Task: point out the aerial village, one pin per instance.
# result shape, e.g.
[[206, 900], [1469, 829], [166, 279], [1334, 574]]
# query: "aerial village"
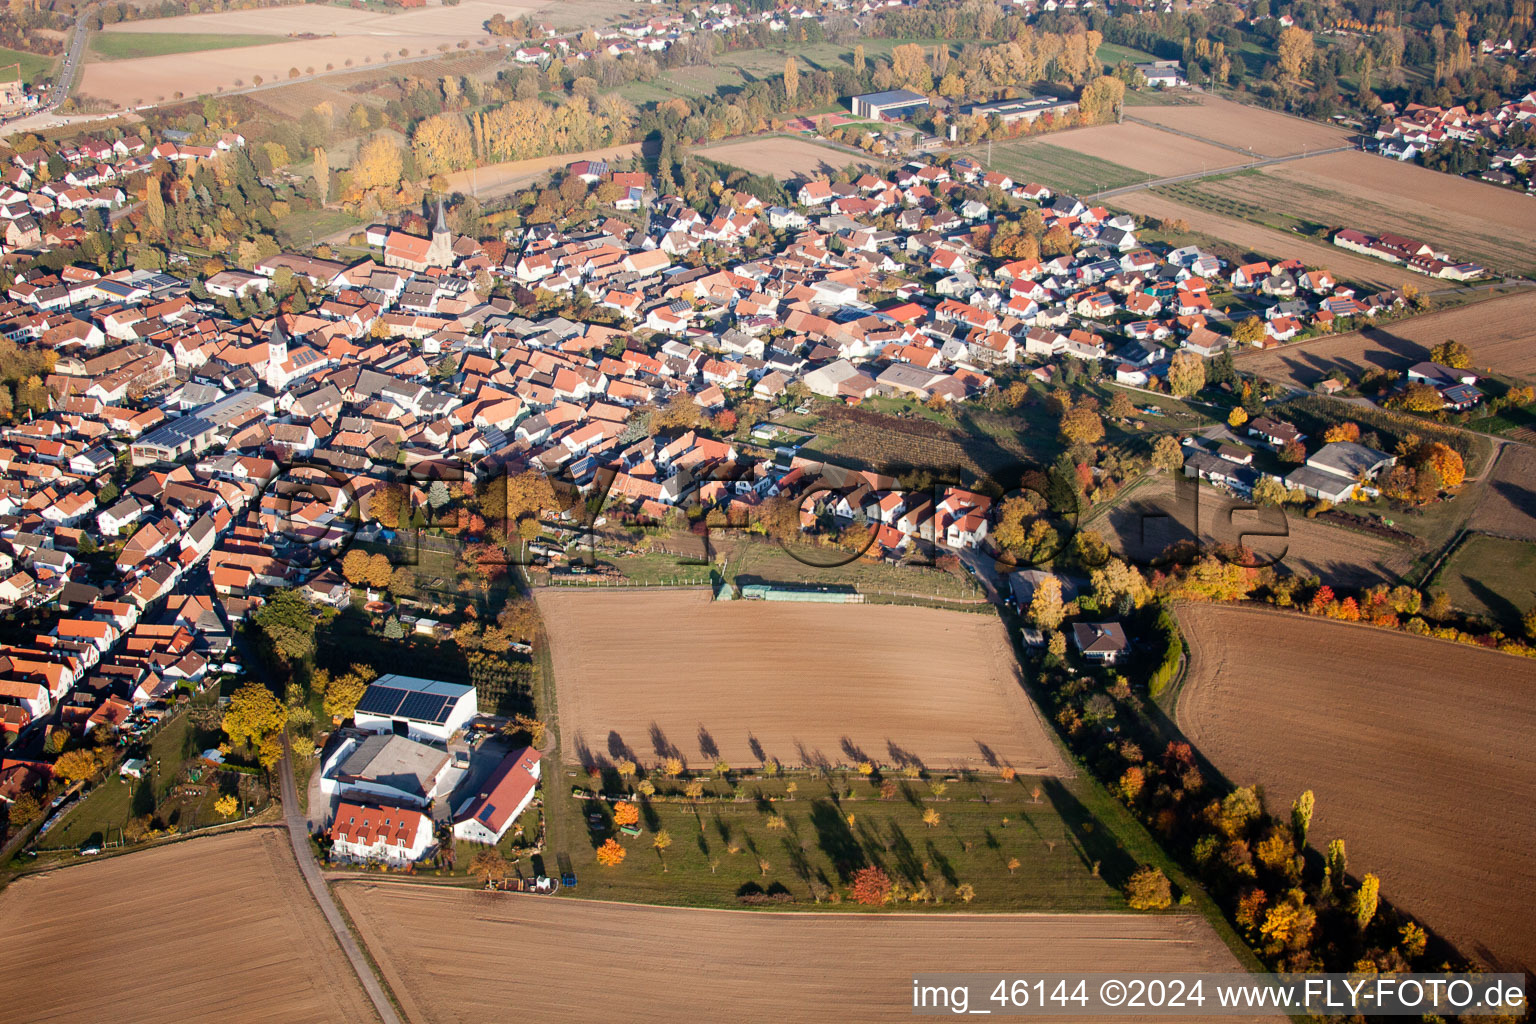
[[171, 434]]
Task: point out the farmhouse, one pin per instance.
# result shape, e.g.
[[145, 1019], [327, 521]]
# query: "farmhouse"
[[486, 816], [423, 709], [1332, 473], [892, 103], [1100, 641], [379, 832]]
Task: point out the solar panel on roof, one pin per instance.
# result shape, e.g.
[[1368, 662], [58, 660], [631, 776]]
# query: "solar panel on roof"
[[380, 700], [423, 707]]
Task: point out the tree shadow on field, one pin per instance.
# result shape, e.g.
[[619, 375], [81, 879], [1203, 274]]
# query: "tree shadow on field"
[[663, 746], [942, 862], [836, 839], [907, 860], [853, 751], [987, 754], [1093, 843], [618, 749], [1500, 608], [707, 745], [902, 758], [754, 745]]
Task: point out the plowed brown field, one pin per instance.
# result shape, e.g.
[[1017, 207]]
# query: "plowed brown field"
[[218, 928], [1237, 124], [1147, 149], [1501, 333], [785, 158], [646, 674], [1418, 751], [613, 961]]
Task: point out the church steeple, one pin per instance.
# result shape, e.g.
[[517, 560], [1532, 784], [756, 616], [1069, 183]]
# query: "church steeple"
[[441, 227]]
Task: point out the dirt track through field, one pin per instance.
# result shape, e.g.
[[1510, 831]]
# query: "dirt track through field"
[[609, 961], [216, 928], [1501, 332], [1418, 752], [642, 673]]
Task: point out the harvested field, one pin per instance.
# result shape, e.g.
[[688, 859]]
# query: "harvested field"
[[1269, 243], [1499, 332], [1147, 149], [218, 928], [785, 158], [357, 35], [1508, 508], [598, 961], [1237, 124], [647, 674], [1155, 517], [1468, 219], [1417, 749], [503, 178]]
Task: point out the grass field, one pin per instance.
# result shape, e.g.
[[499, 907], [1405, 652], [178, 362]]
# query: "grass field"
[[1060, 167], [128, 45], [1492, 577], [808, 834], [33, 65], [1110, 54], [648, 675], [688, 82], [598, 961], [216, 928], [1417, 750], [115, 800]]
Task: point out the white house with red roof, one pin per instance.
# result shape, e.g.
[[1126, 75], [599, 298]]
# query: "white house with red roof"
[[380, 833], [505, 794]]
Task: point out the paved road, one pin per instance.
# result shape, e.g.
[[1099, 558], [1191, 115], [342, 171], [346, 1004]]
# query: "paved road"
[[1213, 171], [299, 835]]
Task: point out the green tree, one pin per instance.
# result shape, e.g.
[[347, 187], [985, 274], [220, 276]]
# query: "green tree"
[[287, 627]]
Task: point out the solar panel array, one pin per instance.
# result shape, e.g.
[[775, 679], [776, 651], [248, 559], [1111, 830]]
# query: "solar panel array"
[[393, 702]]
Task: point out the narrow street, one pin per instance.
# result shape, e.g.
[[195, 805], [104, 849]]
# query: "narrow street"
[[298, 834]]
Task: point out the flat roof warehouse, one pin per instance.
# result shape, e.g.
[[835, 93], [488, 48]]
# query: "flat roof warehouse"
[[881, 104]]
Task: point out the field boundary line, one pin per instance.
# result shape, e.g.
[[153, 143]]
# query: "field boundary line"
[[298, 835]]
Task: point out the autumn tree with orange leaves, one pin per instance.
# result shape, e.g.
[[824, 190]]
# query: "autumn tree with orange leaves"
[[610, 854]]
